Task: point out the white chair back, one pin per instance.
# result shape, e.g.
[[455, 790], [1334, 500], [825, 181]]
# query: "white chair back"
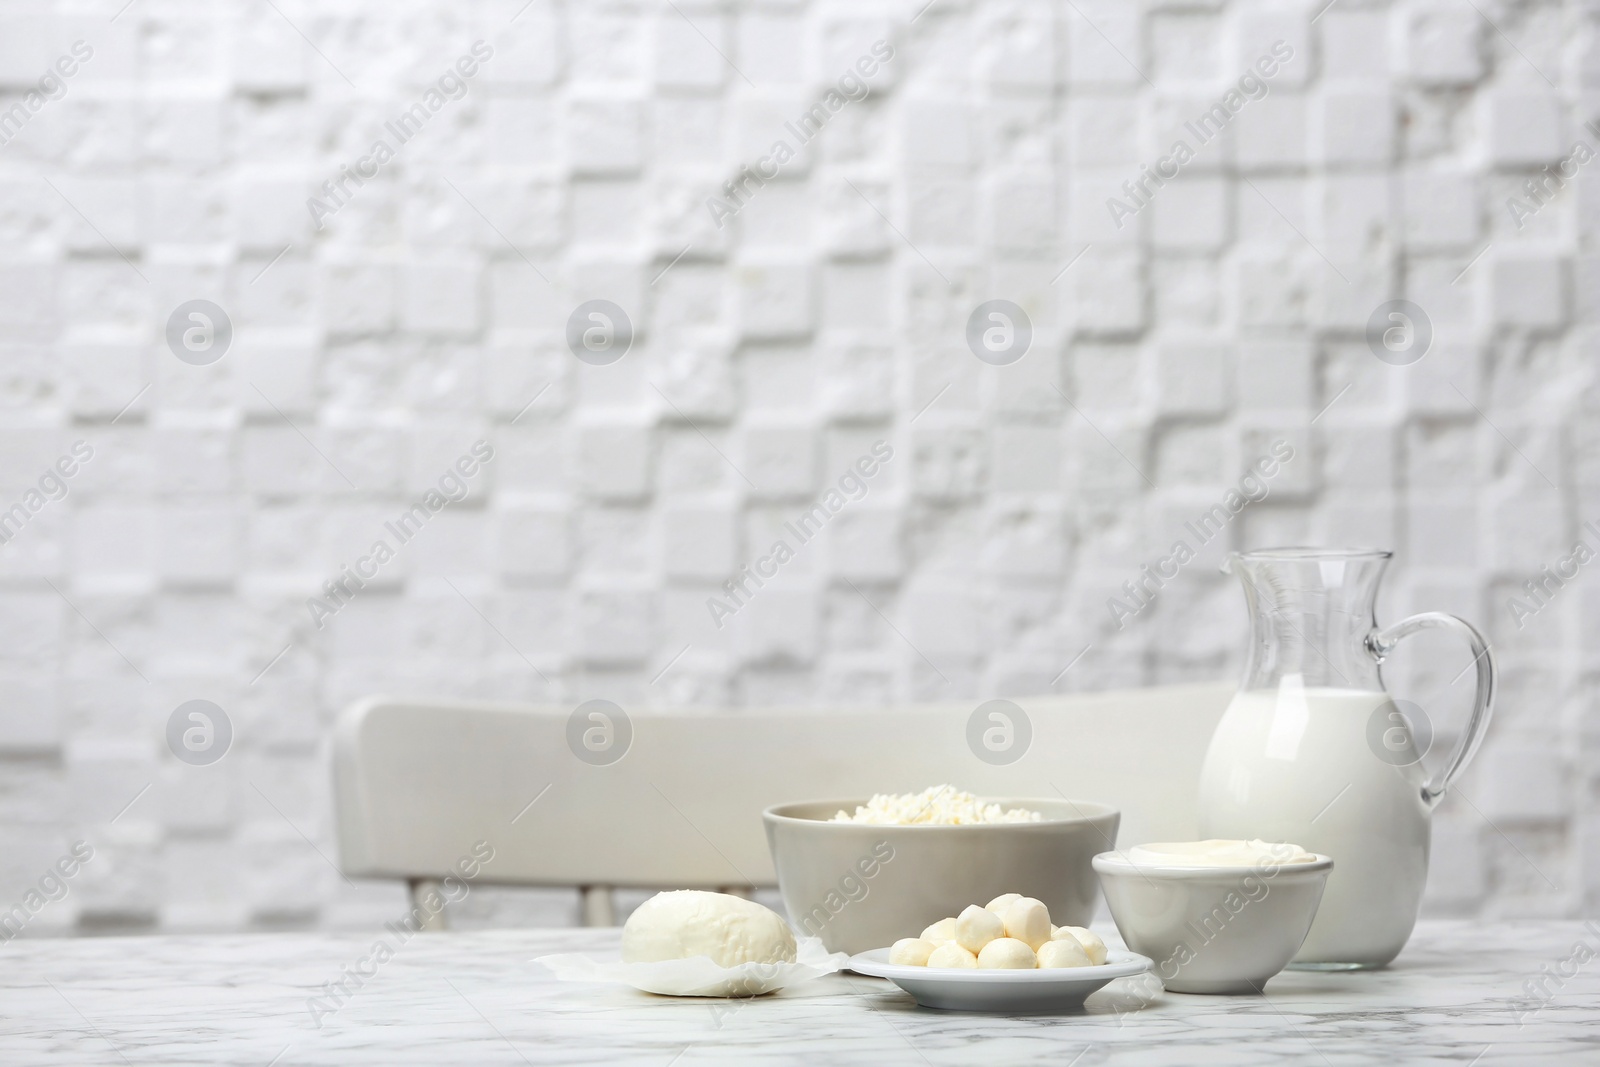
[[418, 783]]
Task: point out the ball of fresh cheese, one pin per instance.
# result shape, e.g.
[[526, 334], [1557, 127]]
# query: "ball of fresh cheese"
[[951, 954], [941, 931], [1092, 945], [1000, 903], [1063, 953], [1007, 953], [911, 952], [690, 922], [1027, 920], [976, 927]]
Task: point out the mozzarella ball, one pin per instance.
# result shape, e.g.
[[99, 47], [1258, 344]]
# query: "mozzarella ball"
[[941, 931], [1092, 945], [951, 954], [1007, 953], [1064, 953], [911, 952], [689, 922], [976, 927], [1000, 903], [1028, 920]]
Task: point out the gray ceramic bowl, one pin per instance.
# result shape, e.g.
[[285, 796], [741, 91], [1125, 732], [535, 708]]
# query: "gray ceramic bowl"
[[1213, 929], [861, 887]]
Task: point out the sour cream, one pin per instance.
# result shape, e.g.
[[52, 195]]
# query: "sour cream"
[[1218, 853]]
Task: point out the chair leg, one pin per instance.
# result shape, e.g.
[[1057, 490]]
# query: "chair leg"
[[420, 888], [598, 909]]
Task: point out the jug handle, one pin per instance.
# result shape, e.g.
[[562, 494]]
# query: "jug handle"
[[1382, 642]]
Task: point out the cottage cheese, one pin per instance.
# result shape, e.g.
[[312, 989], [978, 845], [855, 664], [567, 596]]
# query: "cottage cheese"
[[941, 805]]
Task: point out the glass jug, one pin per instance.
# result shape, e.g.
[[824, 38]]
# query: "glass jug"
[[1313, 751]]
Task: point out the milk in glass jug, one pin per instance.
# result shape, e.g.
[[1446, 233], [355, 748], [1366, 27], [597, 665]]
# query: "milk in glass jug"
[[1313, 751]]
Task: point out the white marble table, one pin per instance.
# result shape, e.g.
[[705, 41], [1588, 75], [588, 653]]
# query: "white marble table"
[[475, 998]]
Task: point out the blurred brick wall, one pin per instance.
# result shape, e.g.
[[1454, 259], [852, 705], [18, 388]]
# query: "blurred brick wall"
[[430, 311]]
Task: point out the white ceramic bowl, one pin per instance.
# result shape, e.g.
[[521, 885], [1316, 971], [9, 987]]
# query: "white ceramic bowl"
[[859, 887], [1213, 929]]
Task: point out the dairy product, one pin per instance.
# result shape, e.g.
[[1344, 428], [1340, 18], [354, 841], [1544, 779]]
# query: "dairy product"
[[1027, 920], [1298, 764], [1093, 947], [689, 922], [976, 927], [941, 805], [1007, 953], [1064, 953], [1011, 932], [951, 954], [911, 952], [1000, 903], [1217, 853]]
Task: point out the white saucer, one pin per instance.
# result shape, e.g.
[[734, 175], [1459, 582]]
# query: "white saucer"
[[1051, 989]]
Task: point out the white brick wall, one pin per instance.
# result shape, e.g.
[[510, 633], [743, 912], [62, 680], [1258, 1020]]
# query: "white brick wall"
[[830, 312]]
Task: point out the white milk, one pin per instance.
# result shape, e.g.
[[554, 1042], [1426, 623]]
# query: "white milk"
[[1295, 764]]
